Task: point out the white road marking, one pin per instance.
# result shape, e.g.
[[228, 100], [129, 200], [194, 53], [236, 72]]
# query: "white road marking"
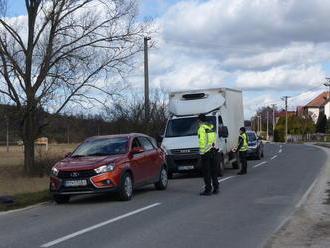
[[273, 157], [224, 179], [257, 165], [280, 151], [72, 235], [303, 199]]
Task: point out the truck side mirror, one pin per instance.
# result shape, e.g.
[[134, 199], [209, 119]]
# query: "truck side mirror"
[[223, 132]]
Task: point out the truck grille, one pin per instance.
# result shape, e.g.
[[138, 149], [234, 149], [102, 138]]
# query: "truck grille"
[[76, 174], [185, 151]]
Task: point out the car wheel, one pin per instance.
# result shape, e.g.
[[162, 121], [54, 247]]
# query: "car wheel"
[[60, 199], [163, 180], [126, 187], [258, 155]]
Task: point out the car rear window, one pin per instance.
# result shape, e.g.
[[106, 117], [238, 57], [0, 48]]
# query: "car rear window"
[[252, 136]]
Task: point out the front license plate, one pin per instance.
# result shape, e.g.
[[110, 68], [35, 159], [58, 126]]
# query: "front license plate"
[[187, 167], [75, 183]]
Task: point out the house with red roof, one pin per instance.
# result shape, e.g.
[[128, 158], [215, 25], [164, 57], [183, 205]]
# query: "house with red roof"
[[318, 105]]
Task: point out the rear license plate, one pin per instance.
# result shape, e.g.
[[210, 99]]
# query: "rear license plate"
[[187, 167], [75, 183]]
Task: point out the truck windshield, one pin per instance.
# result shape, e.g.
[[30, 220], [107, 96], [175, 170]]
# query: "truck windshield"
[[185, 126]]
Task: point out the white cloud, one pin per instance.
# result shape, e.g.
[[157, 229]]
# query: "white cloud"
[[283, 77], [295, 54], [251, 104]]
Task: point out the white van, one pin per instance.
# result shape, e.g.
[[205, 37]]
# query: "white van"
[[223, 108]]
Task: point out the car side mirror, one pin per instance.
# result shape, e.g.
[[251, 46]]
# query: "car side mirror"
[[223, 132], [68, 155], [137, 150]]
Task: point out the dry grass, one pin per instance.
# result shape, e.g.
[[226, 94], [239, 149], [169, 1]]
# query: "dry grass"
[[12, 179]]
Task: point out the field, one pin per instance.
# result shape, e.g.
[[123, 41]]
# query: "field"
[[12, 178]]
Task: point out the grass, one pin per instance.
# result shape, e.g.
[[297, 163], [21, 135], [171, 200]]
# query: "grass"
[[12, 178], [27, 199], [28, 190]]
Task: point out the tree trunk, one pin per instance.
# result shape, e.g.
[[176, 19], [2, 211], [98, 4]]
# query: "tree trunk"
[[29, 131]]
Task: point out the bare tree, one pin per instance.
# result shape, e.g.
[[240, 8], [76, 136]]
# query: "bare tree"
[[127, 114], [64, 51]]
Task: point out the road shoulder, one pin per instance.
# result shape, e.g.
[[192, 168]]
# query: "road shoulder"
[[309, 226]]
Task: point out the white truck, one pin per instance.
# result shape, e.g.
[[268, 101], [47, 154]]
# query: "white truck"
[[223, 108]]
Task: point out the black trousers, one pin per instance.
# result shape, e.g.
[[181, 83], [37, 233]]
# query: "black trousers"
[[210, 170], [243, 161]]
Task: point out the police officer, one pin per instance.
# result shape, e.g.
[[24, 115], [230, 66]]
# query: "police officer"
[[207, 141], [242, 150]]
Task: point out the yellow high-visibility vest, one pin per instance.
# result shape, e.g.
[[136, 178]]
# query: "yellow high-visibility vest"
[[245, 145], [207, 137]]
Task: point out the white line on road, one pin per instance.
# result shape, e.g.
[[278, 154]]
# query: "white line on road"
[[280, 151], [72, 235], [257, 165], [224, 179], [303, 199], [273, 157]]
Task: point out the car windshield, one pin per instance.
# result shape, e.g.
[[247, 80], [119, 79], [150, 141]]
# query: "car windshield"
[[185, 126], [252, 136], [102, 147]]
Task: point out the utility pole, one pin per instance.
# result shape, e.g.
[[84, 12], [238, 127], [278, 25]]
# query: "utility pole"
[[328, 98], [259, 124], [328, 85], [252, 123], [146, 78], [273, 105], [285, 98], [267, 137]]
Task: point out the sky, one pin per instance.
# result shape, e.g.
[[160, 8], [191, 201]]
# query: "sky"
[[266, 48]]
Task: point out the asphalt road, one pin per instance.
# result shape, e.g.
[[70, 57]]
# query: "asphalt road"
[[245, 213]]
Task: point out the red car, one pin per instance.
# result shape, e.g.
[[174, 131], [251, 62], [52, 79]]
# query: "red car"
[[109, 163]]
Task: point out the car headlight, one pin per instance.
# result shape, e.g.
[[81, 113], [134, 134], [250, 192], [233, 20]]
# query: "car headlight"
[[105, 168], [54, 171]]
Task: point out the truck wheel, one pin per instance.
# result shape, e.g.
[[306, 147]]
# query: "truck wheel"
[[60, 199], [163, 180], [126, 187], [235, 165]]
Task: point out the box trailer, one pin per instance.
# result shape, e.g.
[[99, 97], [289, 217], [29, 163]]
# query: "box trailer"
[[223, 108]]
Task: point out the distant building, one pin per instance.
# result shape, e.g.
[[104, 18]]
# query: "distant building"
[[282, 114], [318, 105]]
